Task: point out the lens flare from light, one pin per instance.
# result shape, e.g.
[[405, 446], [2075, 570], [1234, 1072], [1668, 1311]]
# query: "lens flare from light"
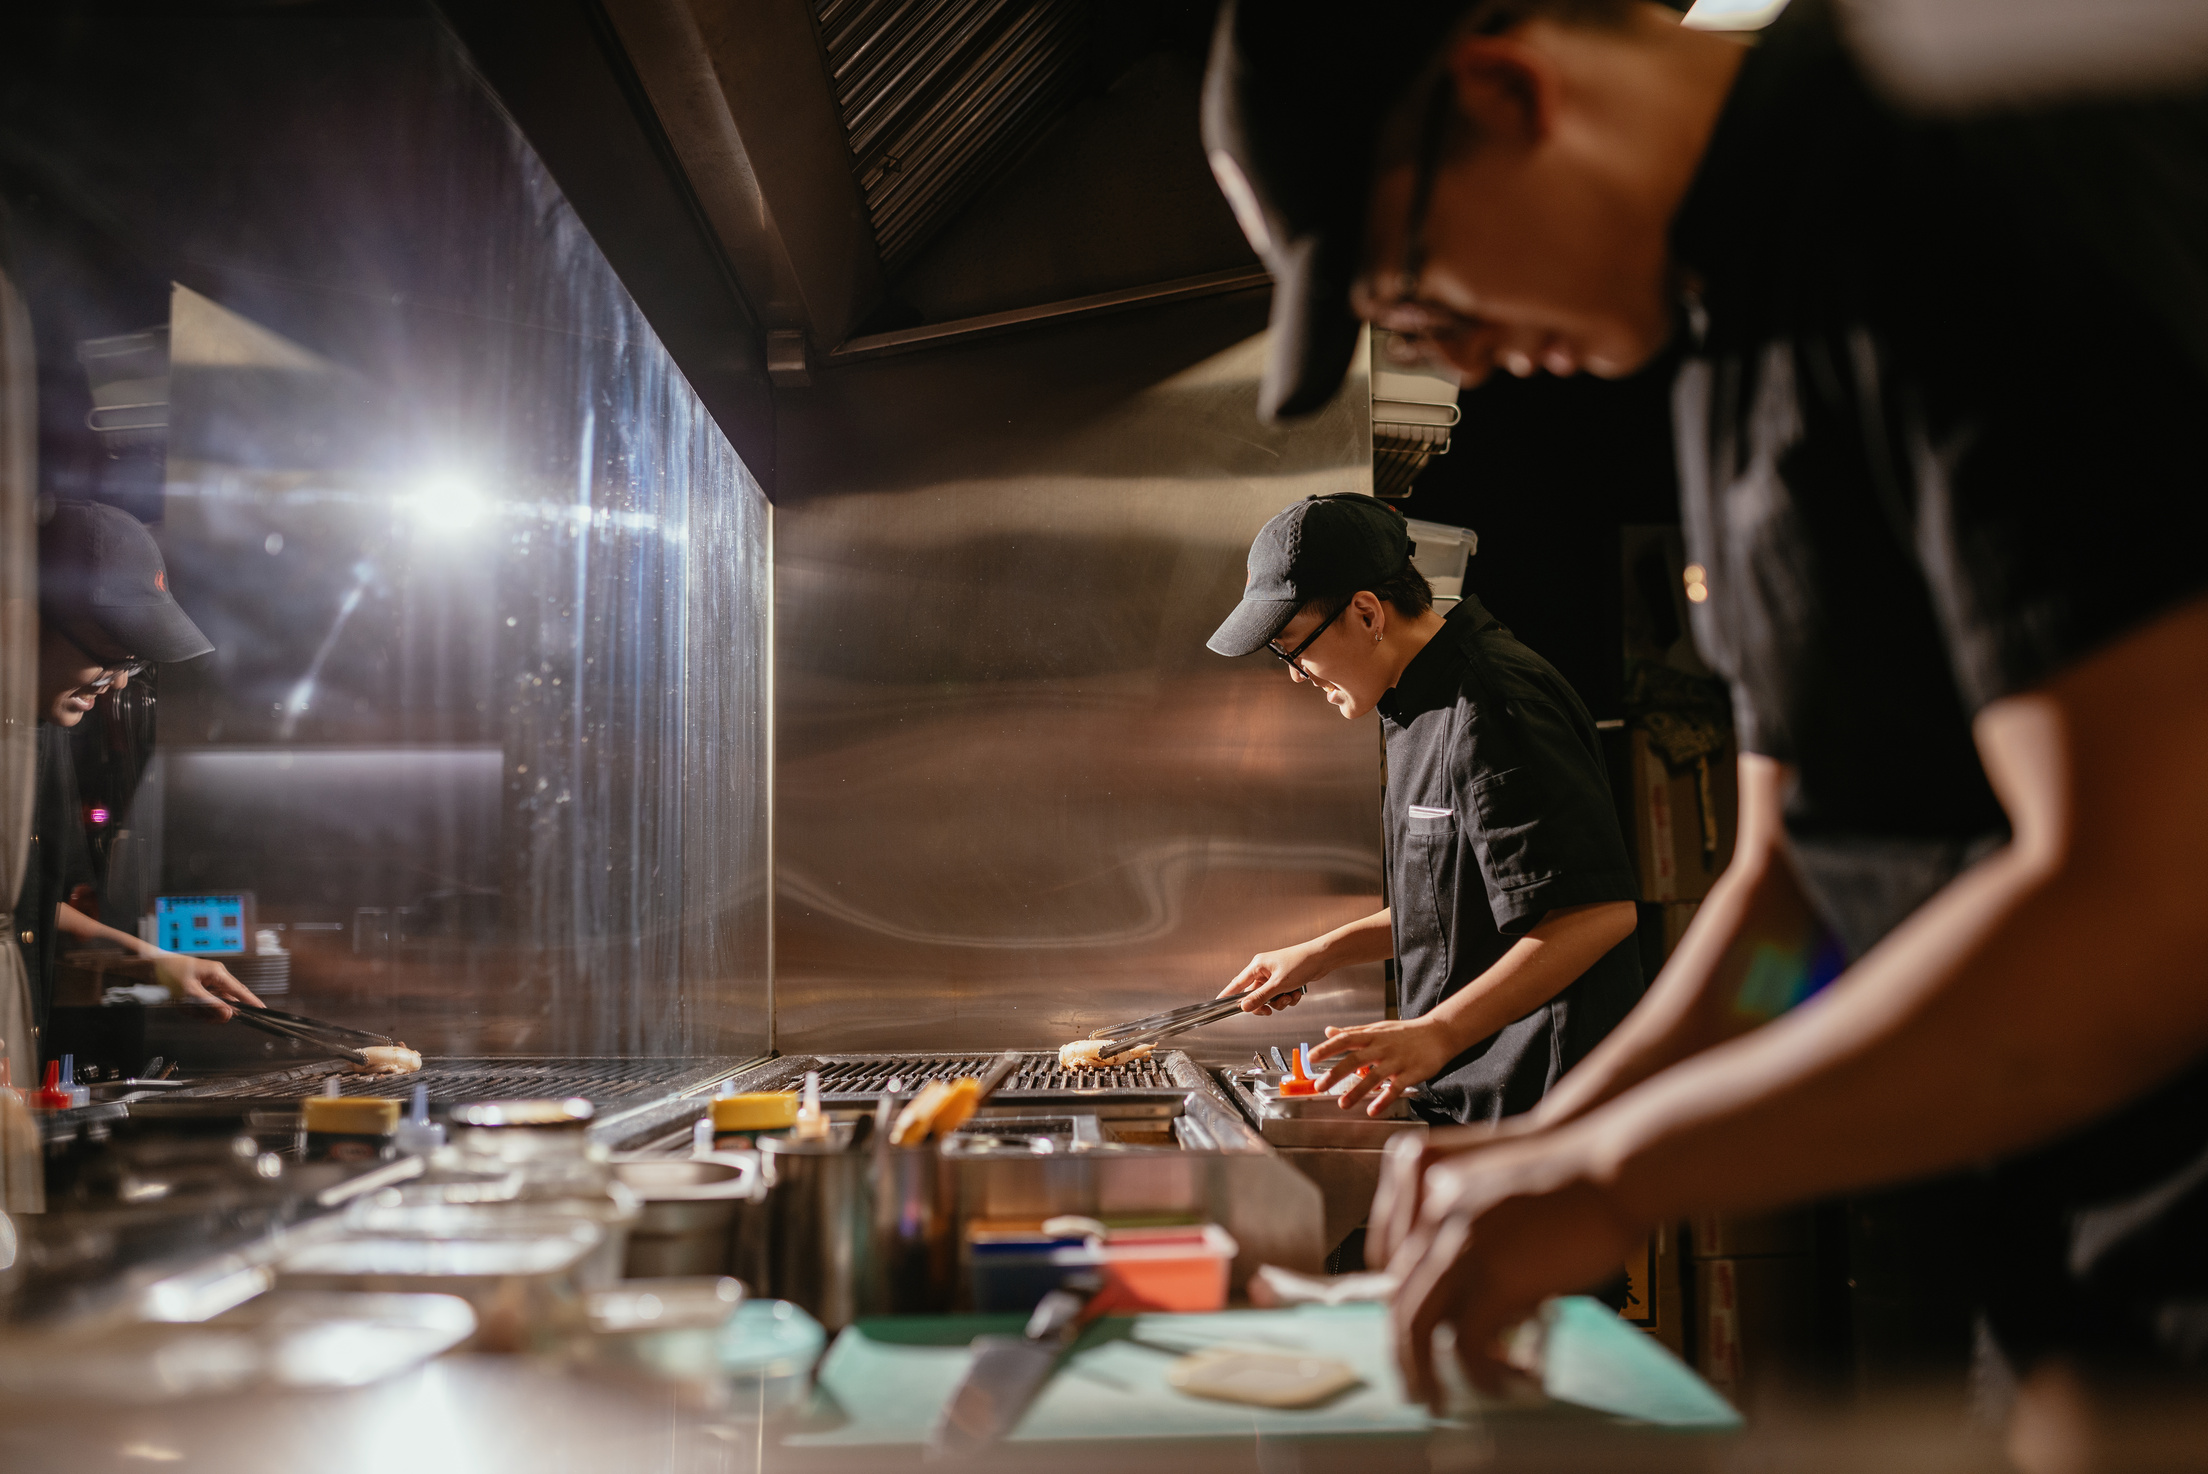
[[447, 502]]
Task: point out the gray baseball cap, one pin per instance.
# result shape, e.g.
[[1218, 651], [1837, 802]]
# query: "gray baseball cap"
[[101, 582], [1321, 546]]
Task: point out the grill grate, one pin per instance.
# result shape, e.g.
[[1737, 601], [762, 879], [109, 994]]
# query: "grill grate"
[[867, 1077], [456, 1081]]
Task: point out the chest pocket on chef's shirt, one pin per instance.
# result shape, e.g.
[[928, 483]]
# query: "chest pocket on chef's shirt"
[[1510, 806], [1429, 873]]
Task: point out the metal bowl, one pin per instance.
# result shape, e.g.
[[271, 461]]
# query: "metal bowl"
[[689, 1210]]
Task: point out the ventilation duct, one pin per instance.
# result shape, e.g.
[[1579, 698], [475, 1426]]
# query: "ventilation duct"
[[937, 97]]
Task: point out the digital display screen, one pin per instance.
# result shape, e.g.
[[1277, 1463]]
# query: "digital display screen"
[[200, 923]]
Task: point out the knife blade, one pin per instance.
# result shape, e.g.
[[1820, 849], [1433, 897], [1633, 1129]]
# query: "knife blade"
[[1008, 1371]]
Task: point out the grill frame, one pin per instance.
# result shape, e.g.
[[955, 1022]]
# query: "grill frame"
[[1204, 1109], [629, 1095]]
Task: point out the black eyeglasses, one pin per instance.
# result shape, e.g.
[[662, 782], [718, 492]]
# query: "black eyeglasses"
[[1433, 132], [1416, 324], [129, 669], [1294, 658]]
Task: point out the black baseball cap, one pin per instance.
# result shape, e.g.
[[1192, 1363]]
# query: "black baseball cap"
[[1320, 546], [1294, 102], [102, 583]]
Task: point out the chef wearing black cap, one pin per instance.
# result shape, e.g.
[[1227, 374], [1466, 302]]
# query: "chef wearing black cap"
[[105, 613], [1938, 428], [1512, 916]]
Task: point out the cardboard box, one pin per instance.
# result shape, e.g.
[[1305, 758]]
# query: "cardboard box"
[[1683, 822]]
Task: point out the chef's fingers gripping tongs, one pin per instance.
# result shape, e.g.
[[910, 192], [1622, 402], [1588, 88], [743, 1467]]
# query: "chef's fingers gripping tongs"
[[1131, 1036], [352, 1044]]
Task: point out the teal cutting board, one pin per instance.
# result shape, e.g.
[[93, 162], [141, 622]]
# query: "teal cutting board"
[[885, 1381]]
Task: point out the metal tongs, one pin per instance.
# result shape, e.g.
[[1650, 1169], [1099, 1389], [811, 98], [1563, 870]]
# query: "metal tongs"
[[339, 1040], [1160, 1026]]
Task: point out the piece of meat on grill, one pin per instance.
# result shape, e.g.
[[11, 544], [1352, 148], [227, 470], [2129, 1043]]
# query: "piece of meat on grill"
[[1081, 1054], [389, 1059]]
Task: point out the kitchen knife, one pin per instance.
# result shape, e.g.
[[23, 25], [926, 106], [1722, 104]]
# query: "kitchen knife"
[[1008, 1371]]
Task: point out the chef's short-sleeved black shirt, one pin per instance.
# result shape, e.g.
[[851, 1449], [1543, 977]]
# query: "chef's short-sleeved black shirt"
[[1943, 432], [56, 858], [1499, 812]]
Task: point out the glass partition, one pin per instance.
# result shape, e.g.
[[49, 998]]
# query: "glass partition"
[[483, 738]]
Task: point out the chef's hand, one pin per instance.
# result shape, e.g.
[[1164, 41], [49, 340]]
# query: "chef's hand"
[[1408, 1157], [201, 979], [1270, 974], [1391, 1056], [1500, 1232]]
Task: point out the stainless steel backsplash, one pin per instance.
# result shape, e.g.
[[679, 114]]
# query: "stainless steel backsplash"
[[1016, 796]]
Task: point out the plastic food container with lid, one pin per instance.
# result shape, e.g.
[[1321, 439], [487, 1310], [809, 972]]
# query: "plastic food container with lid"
[[1175, 1267]]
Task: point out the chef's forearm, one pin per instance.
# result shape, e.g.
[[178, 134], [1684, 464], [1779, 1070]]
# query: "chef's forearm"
[[72, 922], [2008, 1009], [1695, 1002], [1367, 939], [1538, 966], [1948, 1045]]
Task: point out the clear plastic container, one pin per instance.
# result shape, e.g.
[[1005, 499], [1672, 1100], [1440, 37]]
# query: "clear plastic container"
[[1442, 553], [767, 1350]]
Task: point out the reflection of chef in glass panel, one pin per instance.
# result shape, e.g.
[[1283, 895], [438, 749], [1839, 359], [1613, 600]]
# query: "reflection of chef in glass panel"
[[105, 613]]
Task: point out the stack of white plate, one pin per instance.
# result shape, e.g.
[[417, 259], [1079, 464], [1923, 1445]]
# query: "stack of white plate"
[[268, 974]]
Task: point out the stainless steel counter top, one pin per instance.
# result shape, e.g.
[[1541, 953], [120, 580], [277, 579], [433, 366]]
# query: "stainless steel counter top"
[[491, 1415]]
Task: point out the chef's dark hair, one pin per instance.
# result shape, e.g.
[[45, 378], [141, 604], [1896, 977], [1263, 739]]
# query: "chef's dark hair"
[[1407, 589]]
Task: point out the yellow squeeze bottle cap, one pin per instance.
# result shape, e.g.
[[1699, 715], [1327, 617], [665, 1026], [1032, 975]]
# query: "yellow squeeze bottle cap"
[[764, 1110]]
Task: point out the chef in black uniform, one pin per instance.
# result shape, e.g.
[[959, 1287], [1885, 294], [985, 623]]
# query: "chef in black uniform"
[[104, 613], [1939, 435], [1512, 916]]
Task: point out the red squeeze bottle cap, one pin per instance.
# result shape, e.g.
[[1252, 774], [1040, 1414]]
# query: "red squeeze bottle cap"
[[51, 1096]]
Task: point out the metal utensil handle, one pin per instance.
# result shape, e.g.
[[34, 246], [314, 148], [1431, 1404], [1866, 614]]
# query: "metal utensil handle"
[[1217, 1010], [992, 1081], [1211, 1013], [325, 1028], [284, 1030], [1137, 1026], [1167, 1031]]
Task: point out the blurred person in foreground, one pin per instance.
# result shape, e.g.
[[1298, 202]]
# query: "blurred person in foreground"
[[1937, 412], [104, 614]]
